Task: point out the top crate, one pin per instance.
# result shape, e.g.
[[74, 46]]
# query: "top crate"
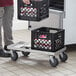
[[37, 10]]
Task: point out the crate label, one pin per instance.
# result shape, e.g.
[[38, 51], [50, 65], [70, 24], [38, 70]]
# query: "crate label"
[[43, 36]]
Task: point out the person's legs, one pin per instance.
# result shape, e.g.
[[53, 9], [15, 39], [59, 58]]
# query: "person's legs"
[[2, 54], [7, 25], [6, 16], [1, 15], [0, 35]]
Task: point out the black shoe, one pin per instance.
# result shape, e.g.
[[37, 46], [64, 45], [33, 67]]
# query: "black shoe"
[[7, 55], [3, 54], [5, 47]]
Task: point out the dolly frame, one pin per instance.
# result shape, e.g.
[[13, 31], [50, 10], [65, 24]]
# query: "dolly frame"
[[25, 48]]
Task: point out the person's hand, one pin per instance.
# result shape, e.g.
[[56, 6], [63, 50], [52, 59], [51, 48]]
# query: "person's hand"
[[26, 1]]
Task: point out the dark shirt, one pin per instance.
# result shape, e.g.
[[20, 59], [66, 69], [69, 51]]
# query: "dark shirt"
[[4, 3]]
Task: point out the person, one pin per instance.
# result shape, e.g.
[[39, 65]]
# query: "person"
[[6, 17], [26, 1]]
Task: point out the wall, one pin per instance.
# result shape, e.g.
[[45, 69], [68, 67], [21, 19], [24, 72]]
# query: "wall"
[[18, 24], [70, 22]]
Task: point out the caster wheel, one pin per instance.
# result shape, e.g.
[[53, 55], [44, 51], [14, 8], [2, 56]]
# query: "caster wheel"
[[14, 56], [54, 61], [25, 53], [63, 57]]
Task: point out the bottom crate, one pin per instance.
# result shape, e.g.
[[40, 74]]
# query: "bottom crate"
[[47, 39]]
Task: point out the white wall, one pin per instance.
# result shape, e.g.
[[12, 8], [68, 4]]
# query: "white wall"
[[18, 24], [70, 22]]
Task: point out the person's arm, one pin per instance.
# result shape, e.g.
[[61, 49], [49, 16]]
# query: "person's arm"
[[26, 1]]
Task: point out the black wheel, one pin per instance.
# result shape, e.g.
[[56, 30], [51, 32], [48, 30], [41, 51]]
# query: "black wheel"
[[54, 61], [63, 57], [14, 56], [25, 53]]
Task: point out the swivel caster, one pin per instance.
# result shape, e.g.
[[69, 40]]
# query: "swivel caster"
[[25, 53], [54, 61], [63, 57], [14, 56]]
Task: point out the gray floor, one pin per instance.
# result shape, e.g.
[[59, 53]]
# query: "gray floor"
[[36, 64]]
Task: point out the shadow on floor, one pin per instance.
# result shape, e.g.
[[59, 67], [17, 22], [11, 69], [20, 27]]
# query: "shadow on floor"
[[71, 47]]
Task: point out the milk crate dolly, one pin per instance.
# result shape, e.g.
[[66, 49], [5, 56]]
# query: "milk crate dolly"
[[44, 40], [47, 41]]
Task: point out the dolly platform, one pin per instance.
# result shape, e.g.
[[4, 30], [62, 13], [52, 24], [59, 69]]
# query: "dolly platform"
[[25, 48]]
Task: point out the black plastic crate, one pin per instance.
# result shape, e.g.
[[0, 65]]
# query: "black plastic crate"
[[47, 39], [35, 11]]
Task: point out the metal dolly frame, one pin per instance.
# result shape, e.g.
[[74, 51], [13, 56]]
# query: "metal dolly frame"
[[25, 48]]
